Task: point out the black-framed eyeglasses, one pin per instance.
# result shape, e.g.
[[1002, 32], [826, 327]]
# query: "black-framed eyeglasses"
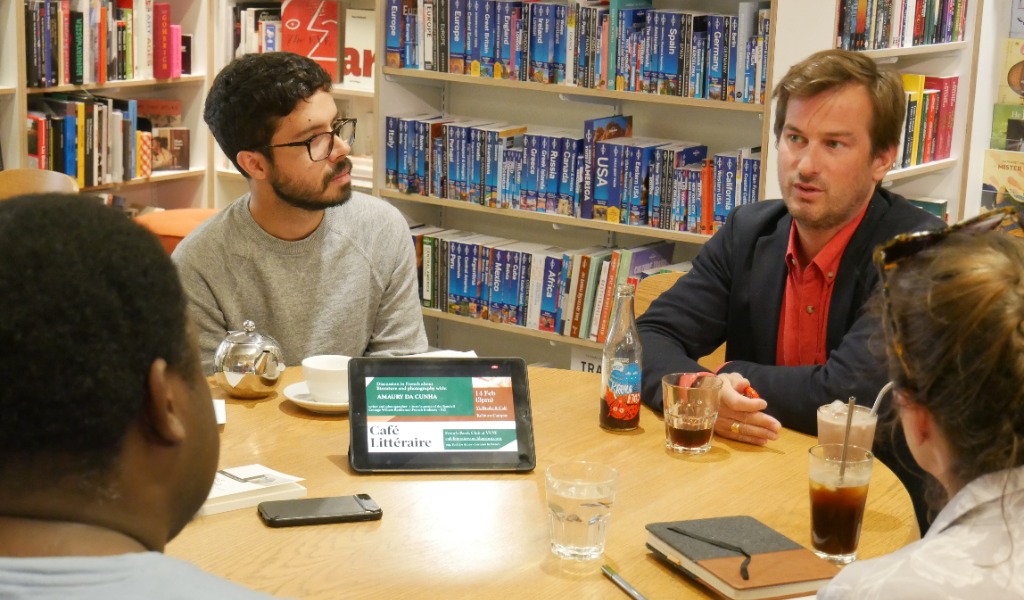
[[320, 145], [890, 254]]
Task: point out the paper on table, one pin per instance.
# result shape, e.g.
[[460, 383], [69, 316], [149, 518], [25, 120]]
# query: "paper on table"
[[240, 487], [248, 478], [219, 411], [444, 353]]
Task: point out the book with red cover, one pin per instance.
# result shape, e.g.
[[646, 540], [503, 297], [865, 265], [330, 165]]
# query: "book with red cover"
[[161, 40], [311, 29], [778, 567]]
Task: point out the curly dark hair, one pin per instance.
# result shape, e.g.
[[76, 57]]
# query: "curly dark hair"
[[253, 93], [89, 300]]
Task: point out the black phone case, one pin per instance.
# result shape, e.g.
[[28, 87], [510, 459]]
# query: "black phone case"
[[311, 511]]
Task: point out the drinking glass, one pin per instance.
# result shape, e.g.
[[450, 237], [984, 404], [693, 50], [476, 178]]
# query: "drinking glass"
[[838, 496], [691, 407], [580, 497]]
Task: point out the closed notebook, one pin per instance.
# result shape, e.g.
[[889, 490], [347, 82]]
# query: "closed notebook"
[[778, 567]]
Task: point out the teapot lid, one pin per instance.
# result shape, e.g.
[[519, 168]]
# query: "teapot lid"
[[249, 337]]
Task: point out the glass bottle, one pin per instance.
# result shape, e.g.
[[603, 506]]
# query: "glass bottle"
[[620, 367]]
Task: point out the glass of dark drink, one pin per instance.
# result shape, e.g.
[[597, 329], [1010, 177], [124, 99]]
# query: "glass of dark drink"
[[838, 496], [691, 407]]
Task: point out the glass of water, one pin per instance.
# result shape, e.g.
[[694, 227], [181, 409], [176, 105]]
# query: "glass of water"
[[580, 497]]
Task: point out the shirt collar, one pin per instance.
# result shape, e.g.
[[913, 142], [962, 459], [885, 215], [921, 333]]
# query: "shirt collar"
[[828, 258], [987, 488]]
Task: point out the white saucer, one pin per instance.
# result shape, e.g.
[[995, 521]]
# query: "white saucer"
[[299, 394]]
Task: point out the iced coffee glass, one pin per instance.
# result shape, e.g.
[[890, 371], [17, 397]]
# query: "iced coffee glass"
[[838, 497], [832, 425]]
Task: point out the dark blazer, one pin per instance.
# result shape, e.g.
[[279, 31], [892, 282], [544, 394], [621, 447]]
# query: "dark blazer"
[[734, 295]]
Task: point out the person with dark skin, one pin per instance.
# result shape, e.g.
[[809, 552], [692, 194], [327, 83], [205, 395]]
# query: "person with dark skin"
[[108, 441]]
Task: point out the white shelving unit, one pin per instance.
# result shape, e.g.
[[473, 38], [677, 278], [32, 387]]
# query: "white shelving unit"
[[175, 189], [799, 28], [940, 179]]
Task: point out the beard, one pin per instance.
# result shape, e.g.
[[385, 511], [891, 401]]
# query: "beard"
[[306, 198]]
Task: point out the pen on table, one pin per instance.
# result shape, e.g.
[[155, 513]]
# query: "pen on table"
[[252, 479], [622, 583]]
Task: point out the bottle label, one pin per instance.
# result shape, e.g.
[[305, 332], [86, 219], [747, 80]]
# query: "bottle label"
[[623, 393]]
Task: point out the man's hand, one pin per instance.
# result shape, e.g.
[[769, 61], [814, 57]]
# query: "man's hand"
[[739, 413]]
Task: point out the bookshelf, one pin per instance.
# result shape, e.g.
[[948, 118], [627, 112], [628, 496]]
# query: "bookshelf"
[[947, 178], [171, 189], [723, 126], [800, 27], [994, 23], [227, 183]]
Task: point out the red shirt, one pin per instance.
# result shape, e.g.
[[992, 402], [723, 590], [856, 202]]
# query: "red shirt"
[[803, 319]]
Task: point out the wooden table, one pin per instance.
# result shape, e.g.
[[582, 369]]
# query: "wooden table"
[[485, 535]]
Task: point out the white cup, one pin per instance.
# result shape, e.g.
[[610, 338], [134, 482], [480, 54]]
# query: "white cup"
[[327, 377]]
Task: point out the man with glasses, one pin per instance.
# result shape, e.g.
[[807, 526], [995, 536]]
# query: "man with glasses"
[[319, 267], [784, 283]]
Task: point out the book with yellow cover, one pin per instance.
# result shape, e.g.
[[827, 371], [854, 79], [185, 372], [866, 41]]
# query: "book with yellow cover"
[[914, 84]]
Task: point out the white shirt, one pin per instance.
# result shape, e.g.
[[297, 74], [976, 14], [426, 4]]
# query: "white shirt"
[[967, 552]]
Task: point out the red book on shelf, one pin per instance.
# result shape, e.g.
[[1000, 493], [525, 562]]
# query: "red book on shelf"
[[161, 40], [311, 29], [101, 33]]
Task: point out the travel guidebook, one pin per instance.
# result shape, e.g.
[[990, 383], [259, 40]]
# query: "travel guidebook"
[[778, 566]]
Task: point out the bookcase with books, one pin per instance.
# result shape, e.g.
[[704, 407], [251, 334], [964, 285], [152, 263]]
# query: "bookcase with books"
[[994, 177], [79, 69], [247, 26], [934, 45], [482, 91]]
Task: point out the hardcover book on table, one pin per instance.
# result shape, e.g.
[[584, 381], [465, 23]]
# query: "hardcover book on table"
[[708, 550]]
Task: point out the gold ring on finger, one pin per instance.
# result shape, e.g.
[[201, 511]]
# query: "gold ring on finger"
[[735, 427]]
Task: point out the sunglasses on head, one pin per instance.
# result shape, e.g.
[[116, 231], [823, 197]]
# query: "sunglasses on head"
[[906, 245]]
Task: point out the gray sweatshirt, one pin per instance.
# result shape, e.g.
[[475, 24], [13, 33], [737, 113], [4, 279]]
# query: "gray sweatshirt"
[[349, 288]]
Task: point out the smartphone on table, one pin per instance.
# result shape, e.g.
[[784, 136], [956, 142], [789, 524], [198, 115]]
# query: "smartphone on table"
[[314, 511]]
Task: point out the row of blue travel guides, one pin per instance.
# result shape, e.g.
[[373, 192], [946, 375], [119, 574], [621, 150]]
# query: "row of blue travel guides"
[[880, 24], [599, 172], [627, 45], [546, 288]]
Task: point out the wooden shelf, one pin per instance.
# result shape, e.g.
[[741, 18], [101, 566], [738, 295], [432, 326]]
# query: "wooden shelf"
[[651, 232], [570, 91], [112, 85], [918, 170], [917, 51], [155, 178], [7, 91], [513, 329], [340, 91]]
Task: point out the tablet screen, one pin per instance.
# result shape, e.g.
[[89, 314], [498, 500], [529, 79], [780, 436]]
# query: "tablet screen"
[[440, 414]]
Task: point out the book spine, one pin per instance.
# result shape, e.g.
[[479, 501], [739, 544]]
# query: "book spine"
[[161, 40]]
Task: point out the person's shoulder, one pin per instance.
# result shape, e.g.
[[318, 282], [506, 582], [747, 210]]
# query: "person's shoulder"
[[901, 215], [367, 213], [756, 219], [211, 234], [175, 578]]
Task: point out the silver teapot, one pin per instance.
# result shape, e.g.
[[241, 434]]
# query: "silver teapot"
[[248, 364]]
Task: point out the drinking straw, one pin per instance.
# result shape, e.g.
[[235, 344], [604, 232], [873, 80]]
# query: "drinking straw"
[[881, 394], [846, 437]]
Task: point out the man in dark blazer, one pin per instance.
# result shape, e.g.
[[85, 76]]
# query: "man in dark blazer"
[[784, 283]]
